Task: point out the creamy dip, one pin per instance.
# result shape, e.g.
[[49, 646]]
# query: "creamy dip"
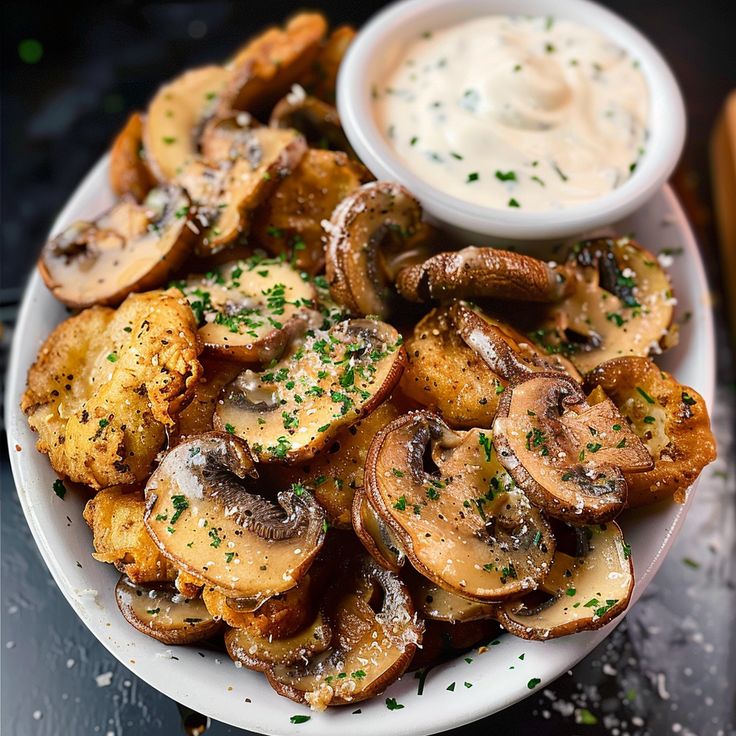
[[516, 111]]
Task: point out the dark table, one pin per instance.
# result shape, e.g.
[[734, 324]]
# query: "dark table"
[[669, 668]]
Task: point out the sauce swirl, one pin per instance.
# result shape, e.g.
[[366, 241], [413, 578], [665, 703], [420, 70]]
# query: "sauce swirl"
[[517, 111]]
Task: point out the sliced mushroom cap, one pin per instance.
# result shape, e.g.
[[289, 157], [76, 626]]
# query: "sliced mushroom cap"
[[376, 535], [482, 273], [374, 636], [263, 652], [205, 516], [317, 121], [132, 247], [164, 614], [465, 527], [443, 373], [175, 117], [226, 194], [293, 410], [621, 304], [264, 70], [321, 80], [250, 310], [587, 591], [289, 222], [227, 137], [506, 352], [669, 418], [438, 604], [567, 455], [129, 172], [366, 230], [334, 475]]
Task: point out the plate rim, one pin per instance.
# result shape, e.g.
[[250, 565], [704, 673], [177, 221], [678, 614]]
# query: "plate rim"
[[475, 709]]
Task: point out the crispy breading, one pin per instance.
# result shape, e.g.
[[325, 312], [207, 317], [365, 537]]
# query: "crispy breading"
[[290, 221], [115, 516], [107, 384]]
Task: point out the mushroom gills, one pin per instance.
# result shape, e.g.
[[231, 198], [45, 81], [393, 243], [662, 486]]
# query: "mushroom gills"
[[458, 516], [206, 515], [165, 614], [585, 592]]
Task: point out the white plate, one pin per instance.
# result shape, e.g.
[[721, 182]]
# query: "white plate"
[[211, 683]]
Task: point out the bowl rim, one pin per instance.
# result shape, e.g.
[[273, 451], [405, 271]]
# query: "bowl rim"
[[262, 719], [667, 121]]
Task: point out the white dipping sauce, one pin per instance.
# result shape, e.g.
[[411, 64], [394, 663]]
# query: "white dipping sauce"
[[516, 111]]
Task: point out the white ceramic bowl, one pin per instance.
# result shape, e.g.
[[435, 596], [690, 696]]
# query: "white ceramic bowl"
[[380, 44], [208, 681]]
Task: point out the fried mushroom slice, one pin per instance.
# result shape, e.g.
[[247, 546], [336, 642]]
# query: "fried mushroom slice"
[[119, 536], [108, 384], [227, 193], [131, 247], [567, 455], [669, 418], [366, 231], [249, 311], [585, 591], [620, 304], [289, 222], [129, 173], [375, 633], [464, 526], [293, 410], [175, 117], [205, 513], [258, 652], [321, 81], [444, 374], [317, 121], [437, 604], [264, 70], [482, 273], [505, 350], [375, 534], [164, 614], [334, 475]]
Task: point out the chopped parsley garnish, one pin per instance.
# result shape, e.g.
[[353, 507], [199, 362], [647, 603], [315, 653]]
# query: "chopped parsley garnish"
[[687, 399], [215, 537], [398, 473], [229, 428], [485, 442], [533, 683], [59, 488], [645, 395], [300, 719], [513, 203], [506, 175], [472, 176], [180, 505], [391, 704], [400, 504]]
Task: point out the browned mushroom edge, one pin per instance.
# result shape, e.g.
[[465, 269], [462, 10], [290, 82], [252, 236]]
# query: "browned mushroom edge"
[[294, 409], [366, 230], [163, 613], [205, 513], [131, 247], [567, 455], [250, 310], [375, 633], [463, 525], [475, 272], [584, 591]]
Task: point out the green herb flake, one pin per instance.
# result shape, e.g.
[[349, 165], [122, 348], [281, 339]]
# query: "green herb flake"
[[506, 176], [391, 704], [299, 719], [59, 488], [472, 176], [533, 683], [645, 395], [229, 428]]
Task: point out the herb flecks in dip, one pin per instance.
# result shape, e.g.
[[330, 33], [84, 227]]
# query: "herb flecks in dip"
[[517, 112]]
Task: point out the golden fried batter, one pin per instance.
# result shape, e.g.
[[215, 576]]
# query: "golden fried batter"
[[108, 383], [115, 516]]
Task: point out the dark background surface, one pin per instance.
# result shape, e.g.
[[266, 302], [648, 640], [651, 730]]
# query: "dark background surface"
[[669, 668]]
